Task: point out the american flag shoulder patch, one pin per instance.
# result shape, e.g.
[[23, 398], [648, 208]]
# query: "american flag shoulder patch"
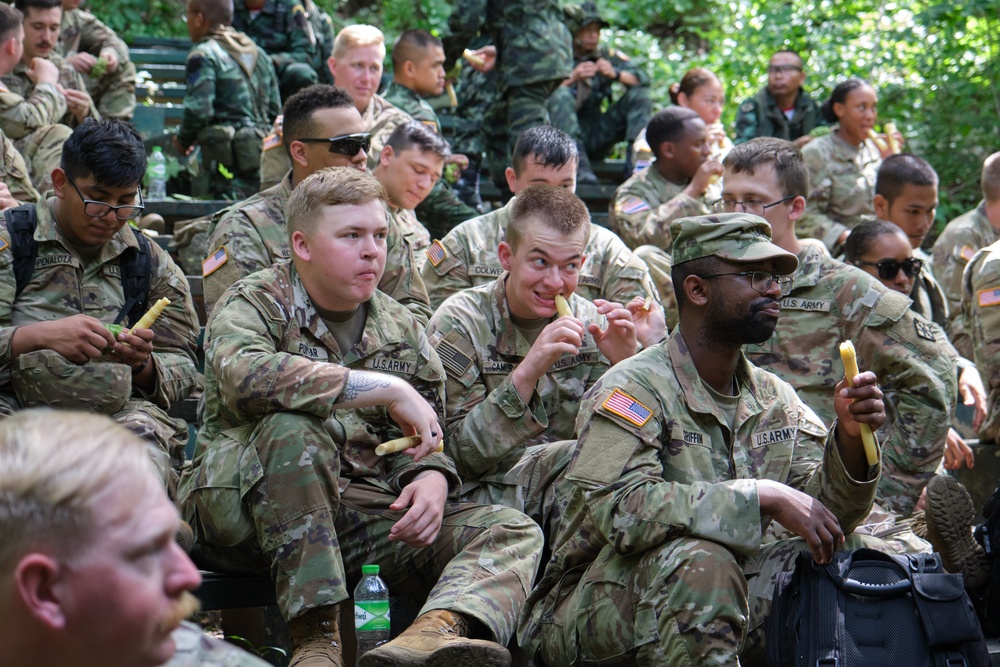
[[989, 297], [967, 252], [436, 253], [452, 358], [632, 205], [211, 264], [4, 245], [627, 408], [271, 141]]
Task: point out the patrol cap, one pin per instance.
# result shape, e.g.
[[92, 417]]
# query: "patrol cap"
[[738, 237], [46, 378], [582, 15]]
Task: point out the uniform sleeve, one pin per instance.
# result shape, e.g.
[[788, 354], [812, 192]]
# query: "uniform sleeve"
[[816, 223], [625, 275], [746, 122], [199, 100], [951, 256], [623, 63], [301, 41], [95, 37], [7, 290], [640, 222], [269, 78], [981, 302], [245, 253], [401, 280], [20, 117], [446, 272], [15, 173]]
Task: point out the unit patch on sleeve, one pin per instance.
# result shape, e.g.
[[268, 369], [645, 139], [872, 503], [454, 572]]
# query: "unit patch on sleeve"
[[211, 264], [436, 253]]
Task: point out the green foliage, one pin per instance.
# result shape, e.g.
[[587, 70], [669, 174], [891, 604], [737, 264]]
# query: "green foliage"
[[132, 18]]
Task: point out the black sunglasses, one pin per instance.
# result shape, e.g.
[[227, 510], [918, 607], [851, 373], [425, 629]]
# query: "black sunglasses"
[[889, 268], [345, 144]]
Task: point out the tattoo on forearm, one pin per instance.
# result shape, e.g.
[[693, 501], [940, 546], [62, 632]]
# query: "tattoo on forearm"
[[358, 382]]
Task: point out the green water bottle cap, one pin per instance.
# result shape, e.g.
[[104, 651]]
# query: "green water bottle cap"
[[369, 569]]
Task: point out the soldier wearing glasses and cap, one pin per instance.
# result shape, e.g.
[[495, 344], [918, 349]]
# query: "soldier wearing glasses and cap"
[[322, 128], [686, 451], [781, 109], [57, 350]]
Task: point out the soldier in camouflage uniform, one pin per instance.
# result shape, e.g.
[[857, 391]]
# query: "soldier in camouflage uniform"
[[517, 370], [831, 302], [283, 30], [59, 351], [685, 453], [98, 517], [980, 298], [960, 240], [15, 187], [782, 109], [308, 368], [582, 105], [251, 235], [467, 256], [231, 98], [418, 72], [83, 41]]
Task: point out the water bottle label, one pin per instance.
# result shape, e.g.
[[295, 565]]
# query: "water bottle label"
[[371, 615], [158, 170]]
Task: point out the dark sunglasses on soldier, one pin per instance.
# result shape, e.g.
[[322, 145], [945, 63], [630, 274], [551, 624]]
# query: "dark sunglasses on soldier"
[[345, 144], [889, 268]]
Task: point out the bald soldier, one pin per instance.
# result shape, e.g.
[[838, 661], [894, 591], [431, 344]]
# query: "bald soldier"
[[686, 452]]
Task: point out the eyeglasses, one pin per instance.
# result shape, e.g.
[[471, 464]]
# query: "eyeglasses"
[[783, 69], [727, 205], [345, 144], [889, 268], [761, 281], [99, 209]]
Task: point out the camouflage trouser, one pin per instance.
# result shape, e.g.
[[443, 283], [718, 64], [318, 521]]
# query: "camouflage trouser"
[[476, 92], [534, 485], [167, 436], [42, 150], [515, 110], [114, 93], [659, 264], [196, 649], [600, 132], [313, 538]]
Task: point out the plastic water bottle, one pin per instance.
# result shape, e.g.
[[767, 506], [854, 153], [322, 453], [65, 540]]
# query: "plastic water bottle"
[[156, 174], [371, 610]]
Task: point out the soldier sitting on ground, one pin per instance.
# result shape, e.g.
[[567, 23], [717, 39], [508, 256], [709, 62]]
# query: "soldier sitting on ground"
[[85, 267], [231, 98], [281, 28], [90, 575], [308, 369], [323, 129], [97, 53], [467, 255]]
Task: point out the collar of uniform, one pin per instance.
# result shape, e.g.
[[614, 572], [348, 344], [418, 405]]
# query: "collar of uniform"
[[810, 264], [48, 231], [400, 89], [285, 188], [653, 176]]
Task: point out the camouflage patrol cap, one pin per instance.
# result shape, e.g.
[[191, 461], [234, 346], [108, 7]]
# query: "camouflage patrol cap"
[[46, 378], [738, 237], [582, 15]]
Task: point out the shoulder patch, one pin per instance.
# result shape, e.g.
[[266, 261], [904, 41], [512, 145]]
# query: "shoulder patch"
[[271, 141], [452, 358], [194, 64], [4, 245], [966, 252], [924, 330], [631, 205], [436, 253], [431, 125], [627, 407], [987, 297], [212, 264]]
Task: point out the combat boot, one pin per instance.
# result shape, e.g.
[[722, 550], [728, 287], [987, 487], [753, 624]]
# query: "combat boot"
[[439, 638], [316, 637], [950, 514], [584, 172]]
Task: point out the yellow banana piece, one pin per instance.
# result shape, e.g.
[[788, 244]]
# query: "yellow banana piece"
[[562, 306], [147, 320], [399, 444], [850, 359]]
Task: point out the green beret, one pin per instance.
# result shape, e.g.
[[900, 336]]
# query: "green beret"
[[737, 237]]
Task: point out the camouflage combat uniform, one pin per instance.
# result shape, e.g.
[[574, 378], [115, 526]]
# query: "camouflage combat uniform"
[[62, 285], [19, 82], [14, 172], [831, 302], [506, 450], [414, 234], [585, 112], [661, 556], [230, 103], [760, 116], [283, 482], [467, 256], [960, 240], [842, 178], [442, 209], [196, 649], [282, 29], [981, 309], [251, 235], [112, 92]]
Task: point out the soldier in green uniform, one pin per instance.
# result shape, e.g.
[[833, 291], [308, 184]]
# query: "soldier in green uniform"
[[583, 106], [686, 451], [782, 109], [516, 370], [101, 525], [308, 369], [283, 30], [467, 256], [980, 298], [84, 41], [59, 353], [323, 129], [960, 240], [418, 72], [231, 98]]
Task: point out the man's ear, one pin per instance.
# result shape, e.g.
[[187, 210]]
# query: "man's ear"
[[409, 69], [300, 246], [695, 289], [881, 207], [331, 62], [798, 208], [667, 150], [387, 154], [297, 152], [511, 177], [504, 252], [59, 182], [38, 578]]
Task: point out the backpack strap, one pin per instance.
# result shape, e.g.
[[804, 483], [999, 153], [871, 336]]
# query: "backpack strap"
[[21, 223], [136, 273]]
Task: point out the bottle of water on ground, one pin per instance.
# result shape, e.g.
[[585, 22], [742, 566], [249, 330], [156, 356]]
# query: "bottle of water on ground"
[[371, 610], [156, 174]]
